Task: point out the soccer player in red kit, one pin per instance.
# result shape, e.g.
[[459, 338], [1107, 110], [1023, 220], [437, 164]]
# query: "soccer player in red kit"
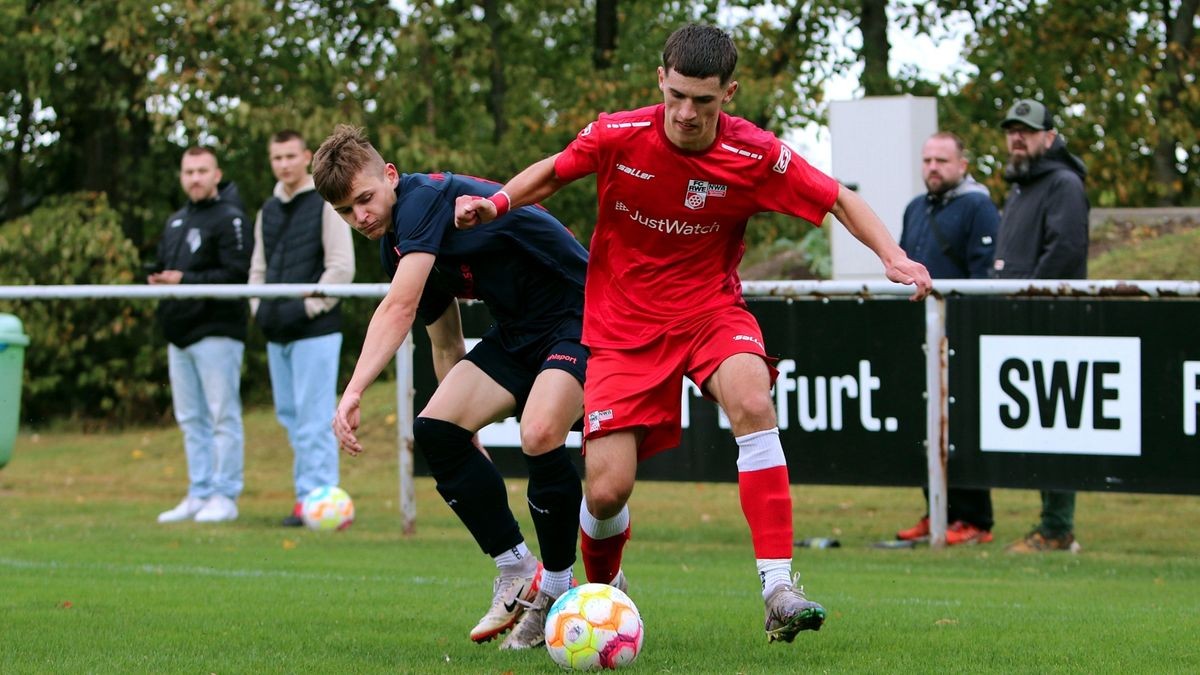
[[676, 183]]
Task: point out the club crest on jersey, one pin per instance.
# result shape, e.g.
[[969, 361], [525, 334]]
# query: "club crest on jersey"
[[698, 192]]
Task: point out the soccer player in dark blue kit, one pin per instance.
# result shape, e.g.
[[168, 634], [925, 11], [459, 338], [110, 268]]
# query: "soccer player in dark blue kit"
[[529, 271]]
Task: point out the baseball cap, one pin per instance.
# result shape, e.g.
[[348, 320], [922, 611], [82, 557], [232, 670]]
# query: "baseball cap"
[[1030, 113]]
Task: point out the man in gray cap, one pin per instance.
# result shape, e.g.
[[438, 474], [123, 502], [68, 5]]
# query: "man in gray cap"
[[1043, 235]]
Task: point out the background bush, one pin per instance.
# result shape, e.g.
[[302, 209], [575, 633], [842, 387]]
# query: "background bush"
[[86, 358]]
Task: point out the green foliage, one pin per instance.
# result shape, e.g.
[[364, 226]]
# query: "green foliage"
[[1173, 256], [87, 359]]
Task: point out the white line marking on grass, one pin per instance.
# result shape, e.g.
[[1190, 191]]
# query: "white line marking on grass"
[[201, 571]]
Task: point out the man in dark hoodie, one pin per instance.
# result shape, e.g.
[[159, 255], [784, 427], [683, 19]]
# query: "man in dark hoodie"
[[951, 230], [205, 242], [1043, 235]]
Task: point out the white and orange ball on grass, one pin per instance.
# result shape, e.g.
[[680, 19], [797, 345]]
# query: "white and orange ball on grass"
[[594, 626], [327, 508]]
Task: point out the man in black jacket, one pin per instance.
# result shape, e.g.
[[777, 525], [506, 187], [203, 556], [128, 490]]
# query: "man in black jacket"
[[205, 242], [1043, 235], [298, 238]]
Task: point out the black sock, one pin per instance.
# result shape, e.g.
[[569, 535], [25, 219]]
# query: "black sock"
[[469, 483], [554, 496]]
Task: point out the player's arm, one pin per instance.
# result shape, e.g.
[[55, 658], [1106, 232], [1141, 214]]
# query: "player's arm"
[[537, 182], [389, 327], [446, 340], [856, 215]]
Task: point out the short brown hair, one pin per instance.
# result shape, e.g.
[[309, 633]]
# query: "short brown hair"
[[285, 135], [339, 160], [200, 150], [701, 52], [955, 138]]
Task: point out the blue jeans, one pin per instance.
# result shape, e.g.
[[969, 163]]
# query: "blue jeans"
[[206, 383], [304, 384]]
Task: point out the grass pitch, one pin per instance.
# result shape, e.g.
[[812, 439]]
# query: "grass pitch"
[[90, 583]]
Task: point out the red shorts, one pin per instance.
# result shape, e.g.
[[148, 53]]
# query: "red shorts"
[[642, 388]]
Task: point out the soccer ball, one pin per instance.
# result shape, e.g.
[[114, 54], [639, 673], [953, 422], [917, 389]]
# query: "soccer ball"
[[327, 508], [593, 626]]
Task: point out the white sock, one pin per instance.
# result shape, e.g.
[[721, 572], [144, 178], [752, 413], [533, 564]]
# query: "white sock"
[[603, 529], [518, 560], [772, 572], [555, 584]]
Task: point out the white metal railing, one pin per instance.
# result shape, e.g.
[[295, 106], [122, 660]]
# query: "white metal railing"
[[935, 340]]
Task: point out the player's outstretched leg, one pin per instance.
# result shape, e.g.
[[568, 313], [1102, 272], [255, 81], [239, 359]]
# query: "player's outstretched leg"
[[474, 490]]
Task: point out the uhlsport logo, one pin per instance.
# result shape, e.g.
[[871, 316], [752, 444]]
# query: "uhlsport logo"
[[1060, 395], [698, 192]]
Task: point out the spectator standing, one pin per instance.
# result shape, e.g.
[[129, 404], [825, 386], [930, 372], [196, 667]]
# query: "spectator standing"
[[204, 243], [1043, 235], [951, 229], [298, 238]]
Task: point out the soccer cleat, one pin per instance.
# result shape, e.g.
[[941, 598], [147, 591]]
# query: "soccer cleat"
[[218, 509], [1036, 542], [962, 532], [619, 582], [295, 518], [789, 612], [186, 510], [507, 595], [530, 629], [918, 532]]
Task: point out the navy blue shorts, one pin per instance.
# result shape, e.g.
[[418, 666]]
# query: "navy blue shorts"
[[515, 370]]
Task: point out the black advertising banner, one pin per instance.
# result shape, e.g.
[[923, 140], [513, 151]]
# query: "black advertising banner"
[[1074, 393], [849, 398]]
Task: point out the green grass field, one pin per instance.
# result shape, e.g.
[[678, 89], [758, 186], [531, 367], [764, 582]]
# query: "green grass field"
[[90, 583]]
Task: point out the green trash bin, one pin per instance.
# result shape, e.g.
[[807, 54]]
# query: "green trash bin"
[[13, 341]]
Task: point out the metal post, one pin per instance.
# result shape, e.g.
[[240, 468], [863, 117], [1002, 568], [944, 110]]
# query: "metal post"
[[404, 425], [937, 415]]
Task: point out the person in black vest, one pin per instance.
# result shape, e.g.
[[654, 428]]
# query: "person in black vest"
[[204, 243], [299, 239], [951, 230]]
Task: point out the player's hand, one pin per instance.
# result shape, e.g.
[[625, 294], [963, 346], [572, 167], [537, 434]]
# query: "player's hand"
[[345, 423], [470, 211], [908, 272]]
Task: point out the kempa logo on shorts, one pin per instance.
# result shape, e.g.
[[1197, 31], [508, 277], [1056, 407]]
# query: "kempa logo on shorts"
[[621, 207], [698, 192], [748, 338], [598, 416]]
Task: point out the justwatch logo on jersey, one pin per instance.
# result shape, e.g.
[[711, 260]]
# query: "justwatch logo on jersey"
[[1060, 395]]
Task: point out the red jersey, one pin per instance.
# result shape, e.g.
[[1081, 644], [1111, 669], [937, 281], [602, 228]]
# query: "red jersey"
[[670, 222]]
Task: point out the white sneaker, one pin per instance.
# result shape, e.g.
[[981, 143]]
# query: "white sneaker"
[[217, 509], [186, 509]]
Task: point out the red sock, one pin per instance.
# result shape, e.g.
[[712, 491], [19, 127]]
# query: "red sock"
[[767, 505], [602, 557]]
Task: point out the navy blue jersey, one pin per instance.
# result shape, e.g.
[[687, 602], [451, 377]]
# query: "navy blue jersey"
[[526, 266]]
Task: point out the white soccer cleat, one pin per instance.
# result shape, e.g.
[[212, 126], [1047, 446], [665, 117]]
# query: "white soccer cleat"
[[530, 630], [218, 509], [185, 510], [789, 612], [507, 595]]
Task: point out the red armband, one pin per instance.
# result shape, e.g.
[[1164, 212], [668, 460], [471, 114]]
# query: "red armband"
[[502, 202]]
